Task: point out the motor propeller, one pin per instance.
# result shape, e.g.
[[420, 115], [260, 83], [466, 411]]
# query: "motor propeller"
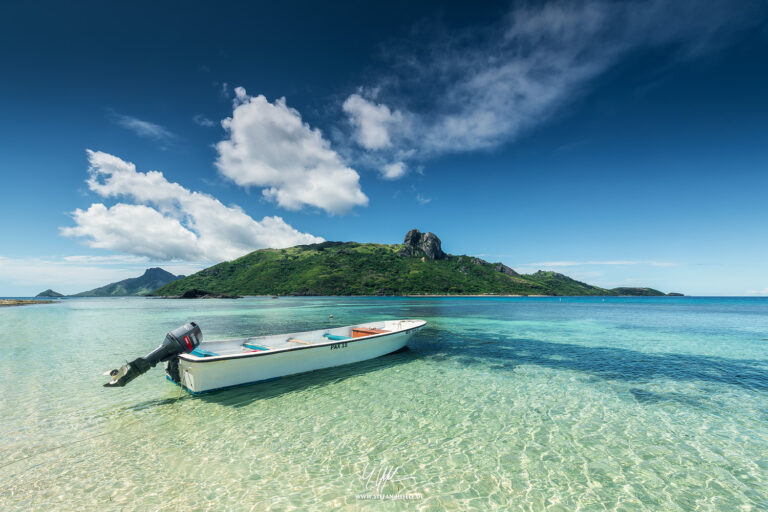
[[181, 340]]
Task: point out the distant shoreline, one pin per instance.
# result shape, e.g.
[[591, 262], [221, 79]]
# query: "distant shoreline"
[[480, 295], [23, 302], [414, 296]]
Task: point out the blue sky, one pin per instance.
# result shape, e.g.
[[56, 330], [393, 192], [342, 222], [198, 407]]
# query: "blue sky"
[[621, 143]]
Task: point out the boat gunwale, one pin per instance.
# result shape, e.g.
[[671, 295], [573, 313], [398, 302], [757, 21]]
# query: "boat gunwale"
[[195, 359]]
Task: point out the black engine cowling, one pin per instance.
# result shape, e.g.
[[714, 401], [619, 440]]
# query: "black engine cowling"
[[181, 340]]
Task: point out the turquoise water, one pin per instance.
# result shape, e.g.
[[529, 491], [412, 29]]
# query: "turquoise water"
[[508, 404]]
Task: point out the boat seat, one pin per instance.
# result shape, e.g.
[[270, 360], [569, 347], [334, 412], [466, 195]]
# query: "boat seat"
[[201, 352], [294, 340], [336, 337], [255, 347], [361, 332]]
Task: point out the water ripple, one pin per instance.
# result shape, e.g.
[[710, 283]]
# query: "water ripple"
[[497, 405]]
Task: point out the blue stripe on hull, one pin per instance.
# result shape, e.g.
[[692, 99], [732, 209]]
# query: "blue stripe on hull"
[[198, 393]]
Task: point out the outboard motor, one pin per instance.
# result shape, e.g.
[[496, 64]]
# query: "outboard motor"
[[181, 340]]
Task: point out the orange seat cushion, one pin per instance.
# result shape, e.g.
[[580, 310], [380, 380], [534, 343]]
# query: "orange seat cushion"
[[360, 333]]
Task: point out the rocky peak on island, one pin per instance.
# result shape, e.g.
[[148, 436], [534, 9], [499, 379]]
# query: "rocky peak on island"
[[416, 242], [158, 273], [500, 267]]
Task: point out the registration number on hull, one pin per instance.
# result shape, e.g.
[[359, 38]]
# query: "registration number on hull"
[[339, 345]]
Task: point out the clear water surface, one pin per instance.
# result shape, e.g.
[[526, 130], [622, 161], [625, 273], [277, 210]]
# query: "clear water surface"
[[499, 403]]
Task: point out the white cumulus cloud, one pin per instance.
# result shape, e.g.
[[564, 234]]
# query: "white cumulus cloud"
[[485, 86], [168, 221], [372, 122], [393, 171], [134, 229], [269, 146]]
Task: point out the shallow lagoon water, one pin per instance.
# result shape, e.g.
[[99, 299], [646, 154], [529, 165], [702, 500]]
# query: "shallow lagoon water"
[[499, 403]]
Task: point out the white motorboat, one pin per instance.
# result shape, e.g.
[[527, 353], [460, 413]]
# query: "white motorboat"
[[201, 366]]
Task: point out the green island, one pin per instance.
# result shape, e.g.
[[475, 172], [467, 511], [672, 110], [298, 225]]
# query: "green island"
[[49, 293], [152, 279], [418, 266]]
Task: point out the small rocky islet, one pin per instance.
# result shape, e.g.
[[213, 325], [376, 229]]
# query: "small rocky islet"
[[49, 293], [23, 302]]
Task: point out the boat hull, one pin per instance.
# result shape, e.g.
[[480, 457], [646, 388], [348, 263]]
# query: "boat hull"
[[208, 375]]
